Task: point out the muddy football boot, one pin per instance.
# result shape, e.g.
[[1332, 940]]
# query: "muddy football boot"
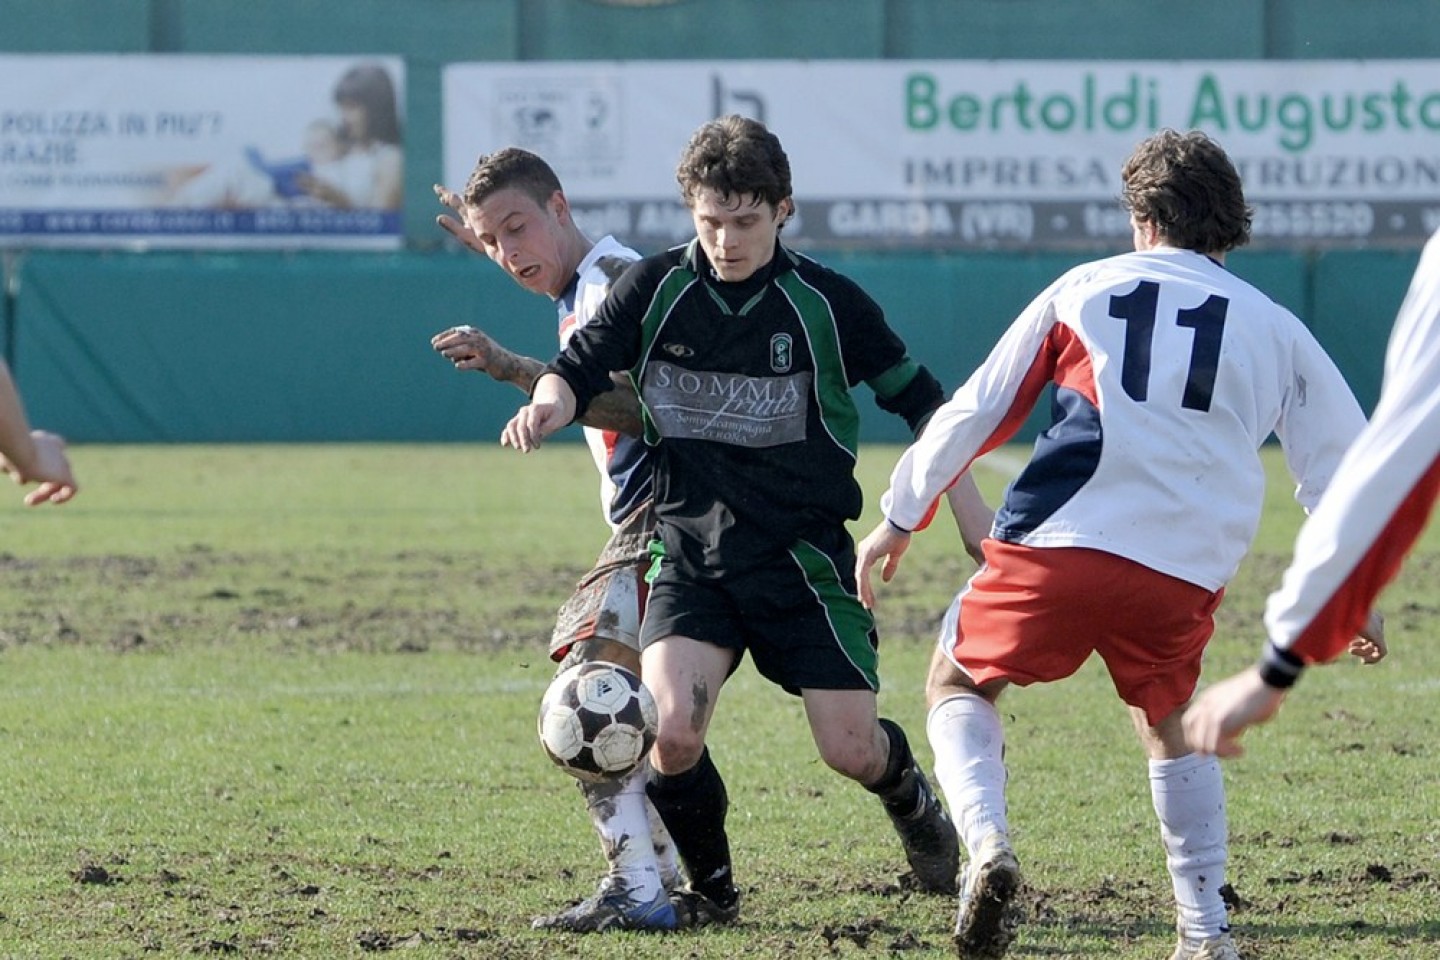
[[612, 908], [986, 921]]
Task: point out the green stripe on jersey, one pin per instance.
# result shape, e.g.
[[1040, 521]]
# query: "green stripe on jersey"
[[832, 391], [851, 623], [671, 289], [656, 549], [894, 380]]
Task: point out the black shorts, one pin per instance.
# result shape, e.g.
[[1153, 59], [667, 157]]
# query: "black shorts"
[[797, 614]]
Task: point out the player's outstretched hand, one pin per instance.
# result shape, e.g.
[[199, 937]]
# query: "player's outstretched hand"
[[455, 225], [469, 348], [1370, 646], [1217, 718], [884, 542], [51, 470], [551, 406], [531, 424]]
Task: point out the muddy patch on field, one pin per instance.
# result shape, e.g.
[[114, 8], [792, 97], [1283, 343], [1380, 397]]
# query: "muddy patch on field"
[[408, 602]]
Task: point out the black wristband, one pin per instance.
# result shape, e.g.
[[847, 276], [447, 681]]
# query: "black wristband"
[[1280, 668]]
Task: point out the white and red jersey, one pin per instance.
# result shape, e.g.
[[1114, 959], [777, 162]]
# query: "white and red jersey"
[[1169, 373], [1352, 544], [624, 474]]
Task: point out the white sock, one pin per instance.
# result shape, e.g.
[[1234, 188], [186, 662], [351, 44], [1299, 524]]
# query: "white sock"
[[969, 745], [619, 811], [1189, 796]]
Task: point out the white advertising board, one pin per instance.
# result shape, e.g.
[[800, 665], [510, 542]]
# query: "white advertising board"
[[973, 154], [199, 151]]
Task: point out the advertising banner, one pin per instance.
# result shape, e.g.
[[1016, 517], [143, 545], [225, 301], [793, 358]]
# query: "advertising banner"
[[974, 154], [200, 151]]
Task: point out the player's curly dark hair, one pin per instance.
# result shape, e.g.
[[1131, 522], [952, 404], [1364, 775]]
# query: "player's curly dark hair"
[[511, 168], [1185, 185], [735, 155]]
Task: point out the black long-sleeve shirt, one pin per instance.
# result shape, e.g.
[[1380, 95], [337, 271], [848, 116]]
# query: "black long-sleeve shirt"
[[746, 393]]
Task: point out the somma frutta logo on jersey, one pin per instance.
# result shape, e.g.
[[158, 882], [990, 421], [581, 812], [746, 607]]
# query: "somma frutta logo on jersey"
[[726, 407]]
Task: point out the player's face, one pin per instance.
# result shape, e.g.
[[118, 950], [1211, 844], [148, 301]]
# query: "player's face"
[[737, 234], [525, 238]]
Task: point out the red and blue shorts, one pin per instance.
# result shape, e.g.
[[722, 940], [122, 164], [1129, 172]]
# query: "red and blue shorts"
[[1035, 615]]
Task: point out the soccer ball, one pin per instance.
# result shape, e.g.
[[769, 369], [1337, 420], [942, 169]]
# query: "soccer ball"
[[597, 721]]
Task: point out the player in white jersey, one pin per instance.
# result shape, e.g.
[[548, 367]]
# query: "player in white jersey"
[[1137, 506], [514, 211], [1352, 545]]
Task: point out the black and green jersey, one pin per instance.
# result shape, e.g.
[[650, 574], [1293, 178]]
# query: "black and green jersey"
[[746, 395]]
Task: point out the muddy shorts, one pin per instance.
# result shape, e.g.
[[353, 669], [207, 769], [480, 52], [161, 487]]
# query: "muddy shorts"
[[609, 601]]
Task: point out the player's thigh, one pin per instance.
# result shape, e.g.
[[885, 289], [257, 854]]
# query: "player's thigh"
[[1035, 615], [805, 627], [1028, 616], [685, 676], [1155, 648], [608, 603]]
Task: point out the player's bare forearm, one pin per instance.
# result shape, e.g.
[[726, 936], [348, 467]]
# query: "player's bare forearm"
[[470, 348], [973, 517], [617, 410], [513, 368]]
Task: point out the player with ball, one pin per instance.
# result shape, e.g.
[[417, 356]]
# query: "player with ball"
[[744, 354], [514, 211]]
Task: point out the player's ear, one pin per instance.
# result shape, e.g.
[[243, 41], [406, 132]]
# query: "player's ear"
[[559, 206]]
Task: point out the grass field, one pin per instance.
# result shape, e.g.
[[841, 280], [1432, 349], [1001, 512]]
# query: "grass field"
[[279, 701]]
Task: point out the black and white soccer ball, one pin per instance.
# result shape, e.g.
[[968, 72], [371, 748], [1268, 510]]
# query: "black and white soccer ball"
[[597, 721]]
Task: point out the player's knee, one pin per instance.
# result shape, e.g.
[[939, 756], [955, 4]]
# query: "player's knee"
[[945, 681], [676, 749], [855, 758]]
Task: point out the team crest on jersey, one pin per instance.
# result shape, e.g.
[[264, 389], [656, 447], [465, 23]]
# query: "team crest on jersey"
[[677, 350], [781, 352]]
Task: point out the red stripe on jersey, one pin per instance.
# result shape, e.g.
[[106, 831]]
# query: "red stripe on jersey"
[[1336, 624], [1072, 364], [1063, 359], [567, 327]]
